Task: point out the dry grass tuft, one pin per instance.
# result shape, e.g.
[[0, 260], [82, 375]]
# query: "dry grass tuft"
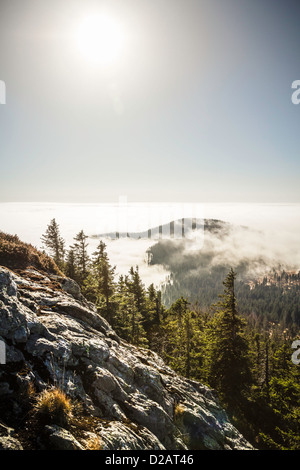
[[54, 406], [178, 411]]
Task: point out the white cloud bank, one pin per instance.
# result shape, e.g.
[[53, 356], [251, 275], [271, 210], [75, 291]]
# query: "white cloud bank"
[[274, 233]]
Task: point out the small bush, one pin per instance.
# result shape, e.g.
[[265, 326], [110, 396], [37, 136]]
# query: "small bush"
[[15, 254], [178, 411], [54, 406]]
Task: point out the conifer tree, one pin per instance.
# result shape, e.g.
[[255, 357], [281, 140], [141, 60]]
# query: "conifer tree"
[[55, 244], [100, 284], [70, 265], [229, 368], [129, 321], [178, 331], [81, 256], [104, 272], [137, 289]]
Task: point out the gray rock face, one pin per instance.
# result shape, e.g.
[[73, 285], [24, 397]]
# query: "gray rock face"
[[7, 441], [61, 439], [71, 287], [118, 436], [145, 405]]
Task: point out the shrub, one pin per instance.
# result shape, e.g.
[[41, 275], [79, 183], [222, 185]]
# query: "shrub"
[[54, 406], [178, 411], [15, 254]]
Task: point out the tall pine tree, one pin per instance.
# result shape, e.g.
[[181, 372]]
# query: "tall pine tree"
[[228, 368], [54, 243], [100, 284], [81, 256]]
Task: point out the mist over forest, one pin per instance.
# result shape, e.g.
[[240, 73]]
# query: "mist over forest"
[[267, 284]]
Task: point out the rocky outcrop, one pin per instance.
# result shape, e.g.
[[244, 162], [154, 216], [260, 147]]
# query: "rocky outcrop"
[[54, 336], [60, 439], [7, 439]]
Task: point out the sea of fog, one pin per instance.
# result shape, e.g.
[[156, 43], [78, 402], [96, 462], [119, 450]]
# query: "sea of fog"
[[274, 228]]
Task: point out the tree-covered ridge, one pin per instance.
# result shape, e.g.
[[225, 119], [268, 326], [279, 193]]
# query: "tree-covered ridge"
[[273, 301], [264, 289], [248, 361]]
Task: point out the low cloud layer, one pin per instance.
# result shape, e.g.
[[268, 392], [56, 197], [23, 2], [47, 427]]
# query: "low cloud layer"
[[271, 238], [252, 253]]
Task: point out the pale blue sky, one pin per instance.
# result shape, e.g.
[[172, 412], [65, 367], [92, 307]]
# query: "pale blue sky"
[[197, 109]]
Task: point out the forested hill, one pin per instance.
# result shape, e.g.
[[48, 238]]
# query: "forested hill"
[[68, 381], [266, 289], [174, 229], [263, 301], [248, 363]]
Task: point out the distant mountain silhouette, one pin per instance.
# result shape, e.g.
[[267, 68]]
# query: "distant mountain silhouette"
[[177, 229]]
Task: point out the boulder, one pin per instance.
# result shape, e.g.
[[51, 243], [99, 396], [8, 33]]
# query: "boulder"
[[9, 443], [61, 439]]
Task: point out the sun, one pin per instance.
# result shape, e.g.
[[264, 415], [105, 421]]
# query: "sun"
[[101, 39]]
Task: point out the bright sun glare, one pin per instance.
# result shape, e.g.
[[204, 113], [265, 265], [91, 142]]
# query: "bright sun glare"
[[101, 39]]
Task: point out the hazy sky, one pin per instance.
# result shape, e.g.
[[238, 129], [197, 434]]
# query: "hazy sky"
[[178, 100]]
